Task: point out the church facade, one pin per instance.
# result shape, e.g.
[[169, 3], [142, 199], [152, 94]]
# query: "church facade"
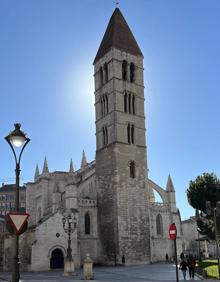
[[114, 200]]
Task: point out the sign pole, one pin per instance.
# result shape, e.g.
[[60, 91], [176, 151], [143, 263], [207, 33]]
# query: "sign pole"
[[175, 250], [173, 233]]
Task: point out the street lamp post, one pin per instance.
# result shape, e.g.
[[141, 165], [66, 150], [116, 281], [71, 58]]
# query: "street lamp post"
[[199, 254], [16, 139], [212, 210], [69, 221]]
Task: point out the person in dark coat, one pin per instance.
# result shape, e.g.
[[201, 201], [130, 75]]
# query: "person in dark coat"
[[183, 266], [191, 265]]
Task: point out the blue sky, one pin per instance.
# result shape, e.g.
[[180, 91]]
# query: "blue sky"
[[46, 83]]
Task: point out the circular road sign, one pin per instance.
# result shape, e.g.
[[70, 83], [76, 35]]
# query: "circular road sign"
[[172, 231]]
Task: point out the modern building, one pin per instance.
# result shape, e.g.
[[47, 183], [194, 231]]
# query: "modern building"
[[116, 209]]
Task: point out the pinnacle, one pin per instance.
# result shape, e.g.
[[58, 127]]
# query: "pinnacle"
[[71, 170], [37, 173], [45, 167], [170, 186], [84, 161]]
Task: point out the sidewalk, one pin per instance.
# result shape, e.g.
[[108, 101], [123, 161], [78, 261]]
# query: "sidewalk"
[[160, 272]]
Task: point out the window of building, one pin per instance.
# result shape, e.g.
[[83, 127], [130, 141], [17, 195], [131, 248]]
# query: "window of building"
[[124, 70], [129, 103], [104, 105], [106, 72], [132, 72], [87, 223], [132, 169], [130, 133], [133, 104], [105, 135], [125, 102], [159, 224], [101, 76]]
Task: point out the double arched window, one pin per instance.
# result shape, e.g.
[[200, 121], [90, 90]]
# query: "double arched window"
[[129, 103], [125, 71], [104, 105], [87, 223], [105, 136], [159, 225], [130, 133], [103, 74]]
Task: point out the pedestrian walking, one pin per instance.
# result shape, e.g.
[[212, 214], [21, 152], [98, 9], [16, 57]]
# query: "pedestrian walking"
[[183, 267], [191, 262], [167, 257]]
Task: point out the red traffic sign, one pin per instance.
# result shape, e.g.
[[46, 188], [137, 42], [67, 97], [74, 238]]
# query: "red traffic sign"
[[18, 220], [172, 231]]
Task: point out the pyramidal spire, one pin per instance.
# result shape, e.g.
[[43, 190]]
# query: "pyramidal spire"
[[71, 170], [37, 173], [83, 161], [118, 35], [45, 167], [170, 186]]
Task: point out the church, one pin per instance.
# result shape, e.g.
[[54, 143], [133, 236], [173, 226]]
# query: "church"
[[117, 216]]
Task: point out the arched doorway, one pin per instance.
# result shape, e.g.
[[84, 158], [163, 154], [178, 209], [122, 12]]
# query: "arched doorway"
[[57, 259]]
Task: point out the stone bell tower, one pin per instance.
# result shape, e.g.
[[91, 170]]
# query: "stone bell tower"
[[121, 159]]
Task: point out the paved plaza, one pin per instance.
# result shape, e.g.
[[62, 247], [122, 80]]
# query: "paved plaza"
[[152, 272]]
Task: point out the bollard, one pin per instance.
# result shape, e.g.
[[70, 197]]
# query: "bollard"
[[68, 267], [88, 268]]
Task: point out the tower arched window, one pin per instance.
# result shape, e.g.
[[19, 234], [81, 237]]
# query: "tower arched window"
[[159, 224], [129, 103], [104, 105], [132, 169], [133, 104], [87, 223], [106, 72], [105, 135], [101, 76], [124, 70], [101, 102], [132, 72], [125, 102], [130, 133]]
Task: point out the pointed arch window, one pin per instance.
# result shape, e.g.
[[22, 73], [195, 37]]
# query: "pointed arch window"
[[129, 103], [132, 169], [105, 135], [159, 225], [124, 70], [132, 72], [133, 104], [101, 76], [104, 105], [130, 133], [106, 72], [125, 102], [87, 223]]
